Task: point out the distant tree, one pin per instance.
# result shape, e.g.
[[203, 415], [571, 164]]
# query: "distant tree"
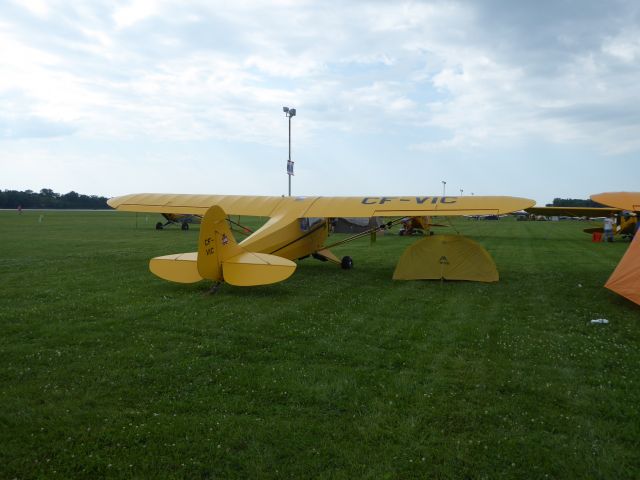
[[47, 198], [47, 192], [70, 199]]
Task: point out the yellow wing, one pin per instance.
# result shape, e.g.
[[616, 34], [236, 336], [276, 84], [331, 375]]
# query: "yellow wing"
[[196, 204], [301, 207], [408, 206], [573, 211], [622, 200]]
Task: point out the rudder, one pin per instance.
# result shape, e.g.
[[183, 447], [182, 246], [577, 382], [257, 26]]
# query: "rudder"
[[215, 244], [220, 258]]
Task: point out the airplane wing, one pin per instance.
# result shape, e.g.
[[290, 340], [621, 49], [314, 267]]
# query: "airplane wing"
[[621, 200], [408, 206], [195, 204], [573, 211], [301, 207]]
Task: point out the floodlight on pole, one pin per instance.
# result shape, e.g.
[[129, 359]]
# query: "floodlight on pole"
[[444, 188], [289, 112]]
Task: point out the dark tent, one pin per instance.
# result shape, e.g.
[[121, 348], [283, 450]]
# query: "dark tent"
[[355, 225]]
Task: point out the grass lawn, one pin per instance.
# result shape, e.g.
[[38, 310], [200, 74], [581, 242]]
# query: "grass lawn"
[[107, 371]]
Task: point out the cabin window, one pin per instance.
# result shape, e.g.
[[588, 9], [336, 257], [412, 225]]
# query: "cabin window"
[[308, 223]]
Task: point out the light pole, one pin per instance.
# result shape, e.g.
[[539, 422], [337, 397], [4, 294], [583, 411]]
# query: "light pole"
[[289, 112], [444, 188]]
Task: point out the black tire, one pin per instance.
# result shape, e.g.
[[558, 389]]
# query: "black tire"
[[159, 226], [185, 226], [346, 263]]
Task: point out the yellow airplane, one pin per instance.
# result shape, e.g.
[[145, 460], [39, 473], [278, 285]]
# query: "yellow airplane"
[[625, 202], [297, 227], [416, 226], [626, 223]]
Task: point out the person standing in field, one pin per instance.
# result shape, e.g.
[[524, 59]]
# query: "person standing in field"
[[19, 209], [608, 229]]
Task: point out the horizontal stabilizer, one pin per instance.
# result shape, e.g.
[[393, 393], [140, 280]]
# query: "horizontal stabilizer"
[[180, 267], [249, 269]]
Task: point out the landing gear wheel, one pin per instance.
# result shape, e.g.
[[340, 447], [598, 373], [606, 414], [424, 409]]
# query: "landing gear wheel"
[[346, 263], [159, 226], [185, 226]]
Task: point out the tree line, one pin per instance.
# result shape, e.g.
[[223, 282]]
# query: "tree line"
[[47, 198]]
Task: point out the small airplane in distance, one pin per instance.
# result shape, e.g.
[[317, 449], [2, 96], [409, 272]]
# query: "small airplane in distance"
[[298, 227], [185, 220], [178, 219]]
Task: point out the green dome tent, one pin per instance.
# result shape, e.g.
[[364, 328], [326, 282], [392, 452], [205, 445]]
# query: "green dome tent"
[[449, 257]]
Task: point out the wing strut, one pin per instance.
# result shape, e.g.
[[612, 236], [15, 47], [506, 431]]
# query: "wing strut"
[[369, 231]]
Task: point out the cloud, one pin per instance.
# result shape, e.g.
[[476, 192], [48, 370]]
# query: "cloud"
[[134, 12], [32, 127], [483, 72], [36, 7]]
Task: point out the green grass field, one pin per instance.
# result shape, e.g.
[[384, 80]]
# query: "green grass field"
[[109, 372]]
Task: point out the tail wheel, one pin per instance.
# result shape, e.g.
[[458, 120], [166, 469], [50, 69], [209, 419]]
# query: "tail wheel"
[[346, 263], [185, 226], [159, 226]]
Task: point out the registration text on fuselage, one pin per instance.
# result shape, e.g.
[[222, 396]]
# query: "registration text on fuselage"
[[417, 200]]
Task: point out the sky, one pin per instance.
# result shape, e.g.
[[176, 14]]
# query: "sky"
[[494, 97]]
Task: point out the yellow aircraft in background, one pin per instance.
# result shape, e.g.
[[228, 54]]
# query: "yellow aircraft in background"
[[297, 227], [185, 220], [179, 219], [623, 200], [625, 225]]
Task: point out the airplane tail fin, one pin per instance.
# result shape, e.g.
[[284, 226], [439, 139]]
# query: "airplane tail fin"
[[220, 258], [215, 244]]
